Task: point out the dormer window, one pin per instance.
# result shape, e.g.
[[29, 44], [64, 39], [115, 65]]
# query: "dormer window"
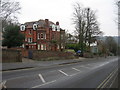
[[22, 27], [58, 27], [53, 27], [35, 26]]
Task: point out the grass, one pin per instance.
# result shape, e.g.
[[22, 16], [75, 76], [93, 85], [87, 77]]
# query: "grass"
[[70, 50]]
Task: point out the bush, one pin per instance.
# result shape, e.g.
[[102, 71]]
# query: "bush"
[[76, 47], [88, 55]]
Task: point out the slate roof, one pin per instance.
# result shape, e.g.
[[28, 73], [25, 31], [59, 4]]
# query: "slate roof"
[[41, 23]]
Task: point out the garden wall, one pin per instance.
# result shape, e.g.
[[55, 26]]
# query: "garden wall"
[[51, 55]]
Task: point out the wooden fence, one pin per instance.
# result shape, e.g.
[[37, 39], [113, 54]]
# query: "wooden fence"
[[11, 56]]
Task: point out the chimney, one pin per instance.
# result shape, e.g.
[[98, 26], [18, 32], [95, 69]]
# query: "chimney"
[[47, 22], [57, 23]]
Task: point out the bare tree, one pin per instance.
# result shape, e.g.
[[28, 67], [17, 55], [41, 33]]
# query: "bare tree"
[[9, 11], [111, 45], [86, 23], [79, 21], [92, 26]]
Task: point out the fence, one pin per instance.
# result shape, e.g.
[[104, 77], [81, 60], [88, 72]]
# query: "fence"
[[11, 56]]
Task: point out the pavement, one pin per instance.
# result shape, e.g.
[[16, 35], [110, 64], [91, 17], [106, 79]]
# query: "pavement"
[[28, 63]]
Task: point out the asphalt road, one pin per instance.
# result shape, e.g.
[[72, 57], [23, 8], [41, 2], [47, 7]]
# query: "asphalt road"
[[99, 73]]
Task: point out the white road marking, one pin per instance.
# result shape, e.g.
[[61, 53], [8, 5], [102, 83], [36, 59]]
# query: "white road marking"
[[113, 81], [41, 77], [43, 84], [2, 84], [75, 69], [85, 67], [63, 73], [90, 65], [74, 74]]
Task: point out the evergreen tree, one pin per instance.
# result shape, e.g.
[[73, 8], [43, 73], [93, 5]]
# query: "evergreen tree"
[[12, 36]]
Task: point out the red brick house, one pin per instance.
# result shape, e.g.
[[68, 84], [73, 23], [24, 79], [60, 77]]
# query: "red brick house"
[[43, 35]]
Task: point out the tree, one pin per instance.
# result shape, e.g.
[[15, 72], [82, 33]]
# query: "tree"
[[92, 27], [9, 11], [102, 48], [86, 25], [78, 18], [12, 36], [111, 45]]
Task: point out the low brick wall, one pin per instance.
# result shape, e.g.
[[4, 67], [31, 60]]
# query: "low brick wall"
[[51, 55], [11, 56], [24, 52]]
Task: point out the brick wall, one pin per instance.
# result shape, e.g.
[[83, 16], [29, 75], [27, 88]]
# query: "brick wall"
[[24, 52], [11, 56], [46, 55]]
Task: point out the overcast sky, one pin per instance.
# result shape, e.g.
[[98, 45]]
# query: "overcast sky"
[[62, 11]]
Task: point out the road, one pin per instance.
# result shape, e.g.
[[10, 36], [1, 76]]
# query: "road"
[[99, 73]]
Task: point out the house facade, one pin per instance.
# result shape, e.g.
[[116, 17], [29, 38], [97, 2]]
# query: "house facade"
[[43, 35]]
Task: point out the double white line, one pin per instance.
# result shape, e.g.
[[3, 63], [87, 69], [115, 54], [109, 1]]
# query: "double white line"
[[104, 83]]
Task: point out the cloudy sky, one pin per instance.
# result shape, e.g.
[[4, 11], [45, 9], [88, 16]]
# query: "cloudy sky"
[[62, 11]]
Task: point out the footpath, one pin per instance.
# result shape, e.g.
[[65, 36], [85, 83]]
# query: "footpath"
[[27, 63]]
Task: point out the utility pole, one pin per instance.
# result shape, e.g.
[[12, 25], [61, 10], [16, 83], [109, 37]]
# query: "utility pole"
[[119, 18], [118, 25]]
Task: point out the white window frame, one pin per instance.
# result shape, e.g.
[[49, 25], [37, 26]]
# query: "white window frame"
[[38, 46], [45, 36], [35, 26], [38, 35], [29, 39], [58, 47], [23, 45], [29, 46], [22, 27], [62, 46], [41, 35], [53, 27], [42, 47], [58, 28], [26, 39]]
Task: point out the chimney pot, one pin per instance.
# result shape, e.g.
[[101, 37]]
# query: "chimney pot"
[[57, 23]]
